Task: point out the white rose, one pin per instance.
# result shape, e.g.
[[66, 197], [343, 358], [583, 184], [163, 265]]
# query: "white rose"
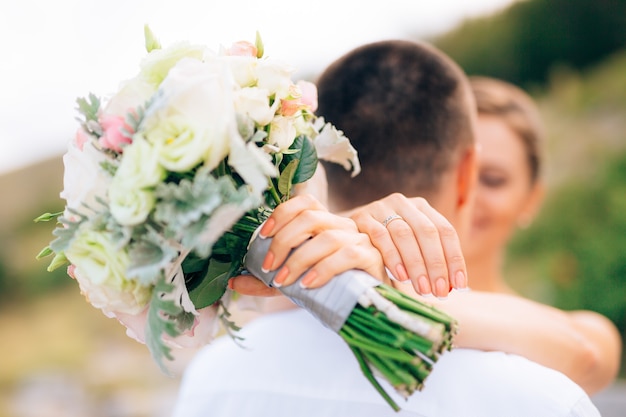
[[100, 267], [130, 205], [140, 165], [275, 77], [194, 118], [243, 69], [83, 179], [282, 132], [254, 102], [131, 197]]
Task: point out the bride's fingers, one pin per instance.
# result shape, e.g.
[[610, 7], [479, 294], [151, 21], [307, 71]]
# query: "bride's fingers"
[[306, 224], [393, 237], [249, 285], [328, 254], [364, 258], [287, 211], [450, 244]]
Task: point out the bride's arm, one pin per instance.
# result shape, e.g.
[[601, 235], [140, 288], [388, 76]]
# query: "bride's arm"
[[585, 346]]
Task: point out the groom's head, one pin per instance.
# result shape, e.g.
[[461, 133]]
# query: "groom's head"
[[408, 110]]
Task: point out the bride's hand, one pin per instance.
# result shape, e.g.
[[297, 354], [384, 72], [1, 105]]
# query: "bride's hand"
[[417, 243], [323, 243]]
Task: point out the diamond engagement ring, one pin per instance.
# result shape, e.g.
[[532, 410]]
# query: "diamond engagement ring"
[[391, 218]]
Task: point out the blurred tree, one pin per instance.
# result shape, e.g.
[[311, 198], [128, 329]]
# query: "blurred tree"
[[578, 244], [522, 43]]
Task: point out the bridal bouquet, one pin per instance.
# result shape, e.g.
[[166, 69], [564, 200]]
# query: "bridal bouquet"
[[166, 182]]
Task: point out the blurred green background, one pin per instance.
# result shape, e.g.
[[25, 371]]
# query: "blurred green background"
[[569, 54]]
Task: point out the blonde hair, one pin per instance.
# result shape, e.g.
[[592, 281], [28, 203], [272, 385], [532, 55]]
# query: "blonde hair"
[[517, 110]]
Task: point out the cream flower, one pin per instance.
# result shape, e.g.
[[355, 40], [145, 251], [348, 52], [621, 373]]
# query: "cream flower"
[[274, 77], [131, 197], [100, 269], [192, 121], [130, 205], [254, 102], [243, 69]]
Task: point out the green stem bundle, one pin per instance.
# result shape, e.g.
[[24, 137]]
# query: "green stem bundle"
[[401, 356]]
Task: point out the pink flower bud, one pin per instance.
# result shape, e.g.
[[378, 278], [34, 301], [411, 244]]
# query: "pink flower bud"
[[242, 48], [113, 136], [309, 94]]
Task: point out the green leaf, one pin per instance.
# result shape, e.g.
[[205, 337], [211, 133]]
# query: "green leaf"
[[165, 317], [151, 41], [232, 245], [89, 107], [149, 255], [303, 150], [285, 181], [213, 285], [308, 162], [65, 234]]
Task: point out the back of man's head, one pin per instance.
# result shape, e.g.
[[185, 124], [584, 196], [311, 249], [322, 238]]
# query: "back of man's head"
[[407, 109]]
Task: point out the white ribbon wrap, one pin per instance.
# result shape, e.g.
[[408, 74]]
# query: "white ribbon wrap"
[[331, 304]]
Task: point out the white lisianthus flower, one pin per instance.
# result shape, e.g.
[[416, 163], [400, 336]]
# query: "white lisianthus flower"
[[157, 64], [254, 102], [252, 163], [331, 145], [100, 267], [275, 77], [83, 179], [282, 132], [194, 117]]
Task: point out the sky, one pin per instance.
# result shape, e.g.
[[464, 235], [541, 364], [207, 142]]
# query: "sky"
[[55, 51]]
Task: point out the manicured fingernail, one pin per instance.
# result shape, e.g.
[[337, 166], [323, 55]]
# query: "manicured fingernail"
[[308, 279], [281, 276], [267, 262], [441, 288], [267, 228], [460, 282], [424, 285], [401, 272]]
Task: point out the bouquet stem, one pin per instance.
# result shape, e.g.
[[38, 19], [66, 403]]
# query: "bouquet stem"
[[392, 335]]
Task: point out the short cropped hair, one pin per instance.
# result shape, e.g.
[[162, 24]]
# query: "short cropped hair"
[[518, 112], [407, 109]]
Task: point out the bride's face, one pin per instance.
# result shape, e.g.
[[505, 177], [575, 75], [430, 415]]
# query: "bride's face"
[[505, 196]]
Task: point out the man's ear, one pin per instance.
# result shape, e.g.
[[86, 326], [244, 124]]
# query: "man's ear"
[[467, 171]]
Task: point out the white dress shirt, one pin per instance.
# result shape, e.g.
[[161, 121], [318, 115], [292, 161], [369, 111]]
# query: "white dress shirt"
[[291, 365]]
